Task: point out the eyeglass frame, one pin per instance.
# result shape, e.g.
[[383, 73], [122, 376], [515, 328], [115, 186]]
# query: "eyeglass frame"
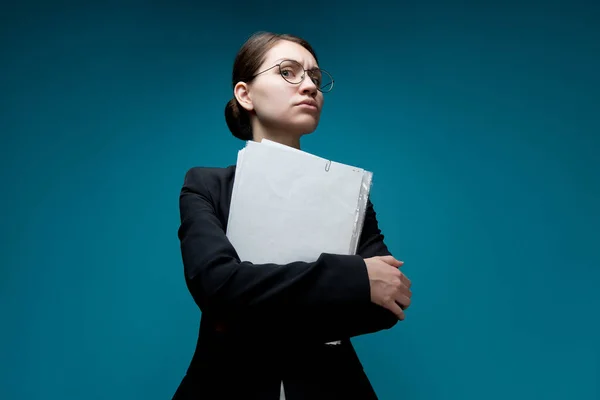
[[304, 73]]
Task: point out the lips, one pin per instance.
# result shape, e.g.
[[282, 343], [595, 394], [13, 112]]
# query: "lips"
[[310, 103]]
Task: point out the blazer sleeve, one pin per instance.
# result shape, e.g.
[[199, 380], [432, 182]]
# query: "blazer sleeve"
[[309, 300], [371, 316]]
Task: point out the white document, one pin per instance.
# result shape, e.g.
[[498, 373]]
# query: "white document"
[[288, 205]]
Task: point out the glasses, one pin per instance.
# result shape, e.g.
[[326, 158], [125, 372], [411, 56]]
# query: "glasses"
[[294, 73]]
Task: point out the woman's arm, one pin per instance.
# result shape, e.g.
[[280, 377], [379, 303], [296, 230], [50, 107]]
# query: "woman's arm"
[[317, 300], [373, 317]]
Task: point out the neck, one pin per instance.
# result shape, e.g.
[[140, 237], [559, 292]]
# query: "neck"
[[284, 138]]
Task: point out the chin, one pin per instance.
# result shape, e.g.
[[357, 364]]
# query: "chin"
[[305, 127], [302, 130]]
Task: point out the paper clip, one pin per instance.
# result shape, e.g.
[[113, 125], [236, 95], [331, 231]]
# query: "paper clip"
[[328, 165]]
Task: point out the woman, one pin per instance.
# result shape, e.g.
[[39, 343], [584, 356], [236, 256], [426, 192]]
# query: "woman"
[[266, 330]]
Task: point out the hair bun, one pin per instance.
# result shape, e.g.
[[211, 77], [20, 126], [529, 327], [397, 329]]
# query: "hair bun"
[[237, 122]]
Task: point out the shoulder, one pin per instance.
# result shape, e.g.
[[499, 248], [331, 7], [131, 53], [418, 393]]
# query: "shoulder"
[[209, 189], [200, 179]]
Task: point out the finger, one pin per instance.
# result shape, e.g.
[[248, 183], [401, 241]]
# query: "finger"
[[405, 281], [403, 301], [391, 261], [396, 309], [403, 290]]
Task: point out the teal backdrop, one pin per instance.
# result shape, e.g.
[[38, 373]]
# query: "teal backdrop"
[[480, 122]]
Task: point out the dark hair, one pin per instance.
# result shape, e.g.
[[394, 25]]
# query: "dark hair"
[[247, 61]]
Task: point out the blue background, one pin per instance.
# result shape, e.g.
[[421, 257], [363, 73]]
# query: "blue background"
[[481, 124]]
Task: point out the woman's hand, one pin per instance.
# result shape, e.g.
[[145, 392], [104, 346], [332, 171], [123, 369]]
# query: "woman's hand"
[[390, 288]]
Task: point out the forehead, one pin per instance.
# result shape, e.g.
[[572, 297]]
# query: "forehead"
[[285, 49]]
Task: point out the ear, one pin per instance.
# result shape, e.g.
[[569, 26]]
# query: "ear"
[[241, 91]]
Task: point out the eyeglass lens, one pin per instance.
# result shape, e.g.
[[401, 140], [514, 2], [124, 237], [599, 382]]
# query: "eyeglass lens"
[[293, 72]]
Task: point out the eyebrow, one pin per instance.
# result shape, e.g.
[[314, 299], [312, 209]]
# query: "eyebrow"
[[289, 58]]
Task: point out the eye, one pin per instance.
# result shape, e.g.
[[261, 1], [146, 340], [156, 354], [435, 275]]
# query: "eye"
[[316, 77], [288, 72]]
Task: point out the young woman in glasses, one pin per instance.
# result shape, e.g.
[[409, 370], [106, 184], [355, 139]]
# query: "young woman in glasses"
[[266, 330]]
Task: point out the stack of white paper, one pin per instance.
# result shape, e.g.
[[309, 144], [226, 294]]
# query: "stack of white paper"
[[288, 205]]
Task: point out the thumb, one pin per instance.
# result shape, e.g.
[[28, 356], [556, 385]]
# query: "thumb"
[[391, 261]]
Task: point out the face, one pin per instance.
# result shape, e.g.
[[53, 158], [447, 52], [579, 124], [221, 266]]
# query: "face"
[[277, 105]]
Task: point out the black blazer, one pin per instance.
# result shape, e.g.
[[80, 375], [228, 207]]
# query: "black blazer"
[[261, 324]]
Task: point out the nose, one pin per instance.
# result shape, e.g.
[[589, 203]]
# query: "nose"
[[308, 86]]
